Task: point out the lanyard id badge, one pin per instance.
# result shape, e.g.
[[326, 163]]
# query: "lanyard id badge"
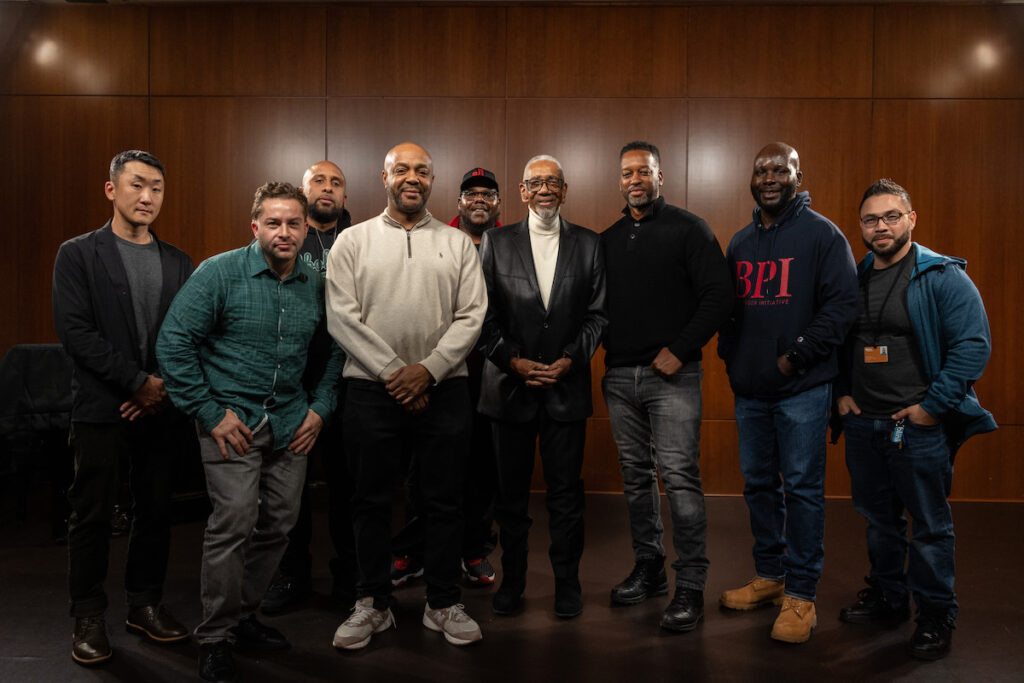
[[876, 354]]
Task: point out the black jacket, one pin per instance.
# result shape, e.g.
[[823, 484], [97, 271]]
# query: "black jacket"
[[517, 323], [95, 320]]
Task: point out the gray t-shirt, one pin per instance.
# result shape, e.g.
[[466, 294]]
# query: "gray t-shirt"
[[881, 389], [145, 280]]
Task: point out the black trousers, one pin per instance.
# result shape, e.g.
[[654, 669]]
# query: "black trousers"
[[151, 449], [297, 561], [377, 433], [561, 454]]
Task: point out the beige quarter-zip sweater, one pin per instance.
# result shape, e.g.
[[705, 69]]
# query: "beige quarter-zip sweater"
[[397, 297]]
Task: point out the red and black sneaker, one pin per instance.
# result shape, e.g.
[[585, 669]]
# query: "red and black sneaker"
[[478, 571], [405, 568]]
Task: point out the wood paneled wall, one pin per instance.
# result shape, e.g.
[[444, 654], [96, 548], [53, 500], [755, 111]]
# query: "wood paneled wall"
[[932, 96]]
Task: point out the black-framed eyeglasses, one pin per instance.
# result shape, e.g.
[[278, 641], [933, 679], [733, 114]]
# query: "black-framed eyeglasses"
[[534, 184], [486, 195], [891, 218]]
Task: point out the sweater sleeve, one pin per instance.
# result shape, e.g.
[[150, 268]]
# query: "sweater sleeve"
[[835, 299], [344, 314], [712, 285], [468, 317]]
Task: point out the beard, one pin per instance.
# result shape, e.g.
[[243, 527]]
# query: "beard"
[[640, 203], [898, 241], [786, 194], [324, 216]]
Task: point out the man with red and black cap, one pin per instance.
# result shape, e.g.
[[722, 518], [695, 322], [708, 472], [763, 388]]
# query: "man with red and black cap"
[[479, 206]]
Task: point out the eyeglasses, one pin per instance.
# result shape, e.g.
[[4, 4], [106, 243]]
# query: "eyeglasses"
[[534, 184], [486, 195], [890, 219]]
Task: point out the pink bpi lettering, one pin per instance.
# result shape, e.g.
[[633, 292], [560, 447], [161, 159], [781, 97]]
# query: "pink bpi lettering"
[[757, 287]]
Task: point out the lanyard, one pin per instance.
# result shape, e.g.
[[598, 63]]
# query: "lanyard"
[[877, 327]]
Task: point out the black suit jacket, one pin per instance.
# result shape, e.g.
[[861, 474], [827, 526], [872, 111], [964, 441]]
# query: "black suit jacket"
[[517, 323], [95, 320]]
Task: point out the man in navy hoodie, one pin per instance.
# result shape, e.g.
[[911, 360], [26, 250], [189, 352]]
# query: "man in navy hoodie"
[[796, 298], [906, 402]]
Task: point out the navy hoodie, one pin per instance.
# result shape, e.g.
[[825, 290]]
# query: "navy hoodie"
[[796, 290]]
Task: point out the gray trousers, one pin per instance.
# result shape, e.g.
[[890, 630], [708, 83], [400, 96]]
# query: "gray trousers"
[[255, 504]]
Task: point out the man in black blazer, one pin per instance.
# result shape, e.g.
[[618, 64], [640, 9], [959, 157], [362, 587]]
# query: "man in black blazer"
[[545, 285], [111, 290]]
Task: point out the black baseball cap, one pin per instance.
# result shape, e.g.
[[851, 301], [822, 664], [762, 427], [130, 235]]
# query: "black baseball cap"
[[478, 177]]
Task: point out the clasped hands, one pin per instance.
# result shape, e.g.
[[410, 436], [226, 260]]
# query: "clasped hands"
[[539, 375], [408, 386]]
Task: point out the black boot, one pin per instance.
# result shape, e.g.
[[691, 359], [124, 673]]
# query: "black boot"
[[646, 580]]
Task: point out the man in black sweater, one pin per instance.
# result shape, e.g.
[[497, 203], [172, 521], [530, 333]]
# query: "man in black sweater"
[[669, 290]]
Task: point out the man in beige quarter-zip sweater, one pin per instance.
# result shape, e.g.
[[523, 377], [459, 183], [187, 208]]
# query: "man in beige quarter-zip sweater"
[[406, 300]]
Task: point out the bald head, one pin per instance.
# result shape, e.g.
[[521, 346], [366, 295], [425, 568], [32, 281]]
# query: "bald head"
[[775, 179], [323, 183], [408, 176]]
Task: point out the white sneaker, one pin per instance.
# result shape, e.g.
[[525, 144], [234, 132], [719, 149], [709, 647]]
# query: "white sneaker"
[[356, 631], [457, 626]]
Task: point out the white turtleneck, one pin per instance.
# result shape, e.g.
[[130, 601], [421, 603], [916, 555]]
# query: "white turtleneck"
[[544, 244]]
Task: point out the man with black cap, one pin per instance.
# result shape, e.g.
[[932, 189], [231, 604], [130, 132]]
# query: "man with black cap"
[[479, 206]]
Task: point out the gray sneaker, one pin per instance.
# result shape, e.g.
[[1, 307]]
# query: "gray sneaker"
[[457, 626], [356, 631]]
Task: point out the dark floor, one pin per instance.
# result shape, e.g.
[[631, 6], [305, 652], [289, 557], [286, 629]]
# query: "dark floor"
[[604, 644]]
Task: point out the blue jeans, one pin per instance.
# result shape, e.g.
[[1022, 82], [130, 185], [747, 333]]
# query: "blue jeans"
[[782, 457], [656, 424], [885, 480]]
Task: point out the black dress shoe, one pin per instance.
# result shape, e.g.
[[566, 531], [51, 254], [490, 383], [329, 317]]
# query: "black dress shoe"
[[507, 601], [685, 611], [646, 580], [932, 639], [286, 593], [251, 634], [156, 623], [872, 607], [89, 644], [568, 599], [216, 663]]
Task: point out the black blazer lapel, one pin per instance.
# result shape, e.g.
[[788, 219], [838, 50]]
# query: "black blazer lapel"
[[521, 238], [566, 253], [110, 257]]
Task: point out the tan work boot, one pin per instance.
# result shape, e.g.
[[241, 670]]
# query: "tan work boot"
[[796, 620], [756, 593]]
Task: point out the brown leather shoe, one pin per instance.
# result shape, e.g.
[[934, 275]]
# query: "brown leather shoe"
[[796, 620], [756, 593], [156, 623], [89, 644]]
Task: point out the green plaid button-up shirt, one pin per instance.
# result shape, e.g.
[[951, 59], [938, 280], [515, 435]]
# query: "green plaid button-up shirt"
[[236, 337]]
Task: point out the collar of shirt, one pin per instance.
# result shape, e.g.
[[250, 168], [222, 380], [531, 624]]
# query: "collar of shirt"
[[650, 213], [419, 224], [258, 265]]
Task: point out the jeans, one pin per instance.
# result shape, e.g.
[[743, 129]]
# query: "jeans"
[[377, 432], [656, 425], [98, 449], [255, 504], [561, 455], [886, 479], [782, 458]]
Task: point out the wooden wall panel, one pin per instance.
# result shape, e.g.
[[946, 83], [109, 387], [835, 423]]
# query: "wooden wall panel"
[[930, 51], [586, 51], [460, 51], [774, 51], [460, 134], [832, 137], [61, 148], [217, 152], [263, 49], [51, 50], [586, 136], [963, 163]]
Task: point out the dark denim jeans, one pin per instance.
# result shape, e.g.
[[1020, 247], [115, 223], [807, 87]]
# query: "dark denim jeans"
[[656, 425], [782, 457], [885, 480]]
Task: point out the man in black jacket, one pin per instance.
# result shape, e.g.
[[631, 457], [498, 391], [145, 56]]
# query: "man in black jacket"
[[669, 291], [111, 290], [545, 285]]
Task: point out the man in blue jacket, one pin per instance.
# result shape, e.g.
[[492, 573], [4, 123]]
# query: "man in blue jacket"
[[920, 342], [796, 297]]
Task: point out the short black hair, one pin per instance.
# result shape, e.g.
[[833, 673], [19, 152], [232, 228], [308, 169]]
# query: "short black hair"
[[117, 164], [643, 147], [886, 186], [275, 190]]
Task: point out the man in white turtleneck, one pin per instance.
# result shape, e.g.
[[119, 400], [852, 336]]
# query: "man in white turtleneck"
[[545, 285]]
